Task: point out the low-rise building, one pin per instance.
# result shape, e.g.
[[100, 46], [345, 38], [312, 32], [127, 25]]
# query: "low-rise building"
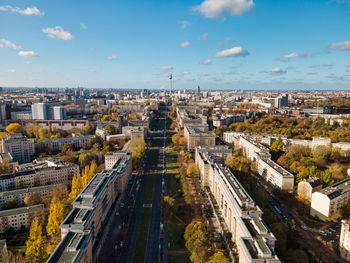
[[83, 230], [344, 240], [329, 201], [20, 147], [18, 218], [309, 186]]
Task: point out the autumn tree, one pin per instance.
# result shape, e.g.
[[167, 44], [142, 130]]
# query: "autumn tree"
[[277, 146], [10, 204], [219, 257], [36, 251], [56, 217], [67, 147], [110, 129], [77, 186], [168, 205], [192, 170], [33, 199], [14, 128]]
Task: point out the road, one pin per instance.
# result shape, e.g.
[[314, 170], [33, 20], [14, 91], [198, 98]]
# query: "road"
[[127, 217]]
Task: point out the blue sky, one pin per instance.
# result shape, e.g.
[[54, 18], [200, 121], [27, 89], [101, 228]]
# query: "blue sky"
[[217, 44]]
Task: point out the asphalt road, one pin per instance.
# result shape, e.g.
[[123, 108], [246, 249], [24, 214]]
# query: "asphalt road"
[[154, 250]]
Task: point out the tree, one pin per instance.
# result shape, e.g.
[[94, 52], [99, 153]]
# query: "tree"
[[67, 147], [110, 129], [36, 251], [192, 170], [88, 129], [56, 217], [14, 128], [43, 133], [345, 211], [10, 204], [168, 205], [97, 140], [219, 257], [277, 145], [33, 199], [92, 170], [77, 186]]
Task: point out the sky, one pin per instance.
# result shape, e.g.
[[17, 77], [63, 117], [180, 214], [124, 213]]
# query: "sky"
[[217, 44]]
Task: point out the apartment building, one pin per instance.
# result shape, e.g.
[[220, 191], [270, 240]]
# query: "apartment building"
[[329, 201], [243, 218], [20, 194], [46, 171], [20, 147], [309, 186], [55, 145], [272, 172], [344, 240], [198, 136], [218, 153], [83, 230], [18, 218]]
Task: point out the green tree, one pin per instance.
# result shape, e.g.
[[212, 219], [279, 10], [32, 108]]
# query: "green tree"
[[168, 205], [36, 251], [97, 140], [110, 129]]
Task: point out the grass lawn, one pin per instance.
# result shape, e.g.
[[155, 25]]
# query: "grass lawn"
[[179, 258], [172, 159], [150, 188], [141, 241], [175, 234]]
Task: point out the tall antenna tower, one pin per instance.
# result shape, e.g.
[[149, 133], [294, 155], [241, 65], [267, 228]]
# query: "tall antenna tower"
[[171, 83]]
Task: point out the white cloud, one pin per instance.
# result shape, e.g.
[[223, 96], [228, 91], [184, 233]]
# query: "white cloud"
[[341, 46], [204, 74], [184, 44], [9, 44], [206, 62], [11, 70], [83, 26], [113, 57], [27, 54], [185, 73], [184, 23], [205, 36], [2, 45], [215, 8], [57, 32], [232, 52], [277, 70], [166, 67], [28, 11], [291, 55]]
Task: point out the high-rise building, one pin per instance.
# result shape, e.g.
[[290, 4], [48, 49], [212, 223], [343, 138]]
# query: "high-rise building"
[[198, 91], [59, 113], [39, 111], [20, 147]]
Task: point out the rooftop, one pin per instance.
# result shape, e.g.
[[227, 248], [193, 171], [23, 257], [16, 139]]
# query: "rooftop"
[[21, 210], [337, 189]]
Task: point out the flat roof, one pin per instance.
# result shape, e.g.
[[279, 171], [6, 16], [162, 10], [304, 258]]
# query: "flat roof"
[[21, 210]]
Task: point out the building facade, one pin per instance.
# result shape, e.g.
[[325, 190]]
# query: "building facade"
[[344, 240], [20, 147]]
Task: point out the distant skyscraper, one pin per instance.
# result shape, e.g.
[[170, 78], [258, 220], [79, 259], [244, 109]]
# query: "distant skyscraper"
[[39, 111], [171, 83], [59, 113], [198, 91]]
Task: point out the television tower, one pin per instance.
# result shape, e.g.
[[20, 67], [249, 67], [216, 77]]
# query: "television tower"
[[171, 82]]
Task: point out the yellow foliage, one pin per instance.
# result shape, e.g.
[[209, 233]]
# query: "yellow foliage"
[[36, 251], [14, 128]]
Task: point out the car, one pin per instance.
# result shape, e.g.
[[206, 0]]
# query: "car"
[[322, 233], [117, 214], [304, 227], [122, 205]]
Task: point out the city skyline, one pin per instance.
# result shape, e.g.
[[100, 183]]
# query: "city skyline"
[[226, 45]]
